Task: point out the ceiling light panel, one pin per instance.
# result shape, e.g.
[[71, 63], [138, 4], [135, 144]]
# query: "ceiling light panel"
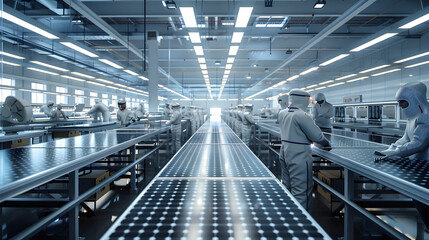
[[73, 78], [79, 49], [195, 37], [10, 63], [347, 76], [233, 50], [49, 66], [243, 17], [386, 72], [130, 72], [42, 71], [199, 50], [374, 68], [201, 60], [417, 64], [188, 16], [373, 42], [339, 57], [416, 22], [230, 60], [26, 25], [309, 71], [293, 77], [11, 55], [237, 37], [110, 63], [228, 66], [412, 57], [82, 75]]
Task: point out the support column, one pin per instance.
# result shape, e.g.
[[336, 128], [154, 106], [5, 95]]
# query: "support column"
[[239, 96], [74, 213], [348, 211], [152, 45]]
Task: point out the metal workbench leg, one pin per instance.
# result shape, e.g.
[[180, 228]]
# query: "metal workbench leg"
[[348, 211], [168, 145], [74, 213], [259, 143], [133, 179]]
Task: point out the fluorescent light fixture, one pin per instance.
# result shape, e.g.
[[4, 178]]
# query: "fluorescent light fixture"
[[227, 72], [319, 4], [103, 80], [228, 66], [11, 55], [237, 37], [412, 57], [309, 71], [358, 79], [386, 72], [130, 72], [110, 63], [417, 64], [319, 88], [293, 77], [195, 37], [203, 66], [341, 56], [336, 84], [96, 83], [9, 63], [199, 50], [205, 72], [233, 50], [311, 86], [143, 78], [326, 82], [201, 60], [416, 22], [73, 78], [49, 66], [243, 17], [79, 49], [227, 23], [188, 16], [373, 42], [347, 76], [26, 25], [82, 75], [374, 68], [42, 71], [230, 60]]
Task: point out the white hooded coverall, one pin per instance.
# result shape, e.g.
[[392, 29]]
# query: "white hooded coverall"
[[176, 128], [100, 108], [238, 122], [322, 113], [298, 131], [248, 121]]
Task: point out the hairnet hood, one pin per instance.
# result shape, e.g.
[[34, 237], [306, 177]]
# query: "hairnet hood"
[[240, 106], [415, 94], [121, 101], [320, 97], [299, 98], [50, 103], [175, 105]]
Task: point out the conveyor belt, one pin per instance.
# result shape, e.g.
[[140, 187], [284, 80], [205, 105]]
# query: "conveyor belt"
[[215, 190], [86, 127], [409, 177]]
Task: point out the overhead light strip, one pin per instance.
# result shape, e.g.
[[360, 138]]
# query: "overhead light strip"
[[386, 72], [415, 22], [110, 63], [337, 58], [27, 25], [49, 66], [188, 16], [412, 57], [243, 17], [347, 76], [42, 71], [237, 37], [82, 75], [79, 49], [374, 68], [373, 42]]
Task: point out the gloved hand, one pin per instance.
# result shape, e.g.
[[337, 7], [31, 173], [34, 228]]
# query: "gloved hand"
[[385, 153]]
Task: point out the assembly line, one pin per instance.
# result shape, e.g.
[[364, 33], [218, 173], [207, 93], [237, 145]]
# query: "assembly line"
[[215, 119]]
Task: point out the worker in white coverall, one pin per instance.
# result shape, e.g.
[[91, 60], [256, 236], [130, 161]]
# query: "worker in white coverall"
[[167, 111], [322, 112], [298, 131], [282, 104], [57, 113], [238, 122], [140, 112], [415, 142], [100, 108], [194, 120], [248, 121], [124, 116], [176, 126], [47, 109], [232, 122]]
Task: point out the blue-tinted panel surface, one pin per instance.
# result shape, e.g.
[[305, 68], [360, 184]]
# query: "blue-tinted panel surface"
[[19, 163], [216, 160], [215, 209], [223, 138]]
